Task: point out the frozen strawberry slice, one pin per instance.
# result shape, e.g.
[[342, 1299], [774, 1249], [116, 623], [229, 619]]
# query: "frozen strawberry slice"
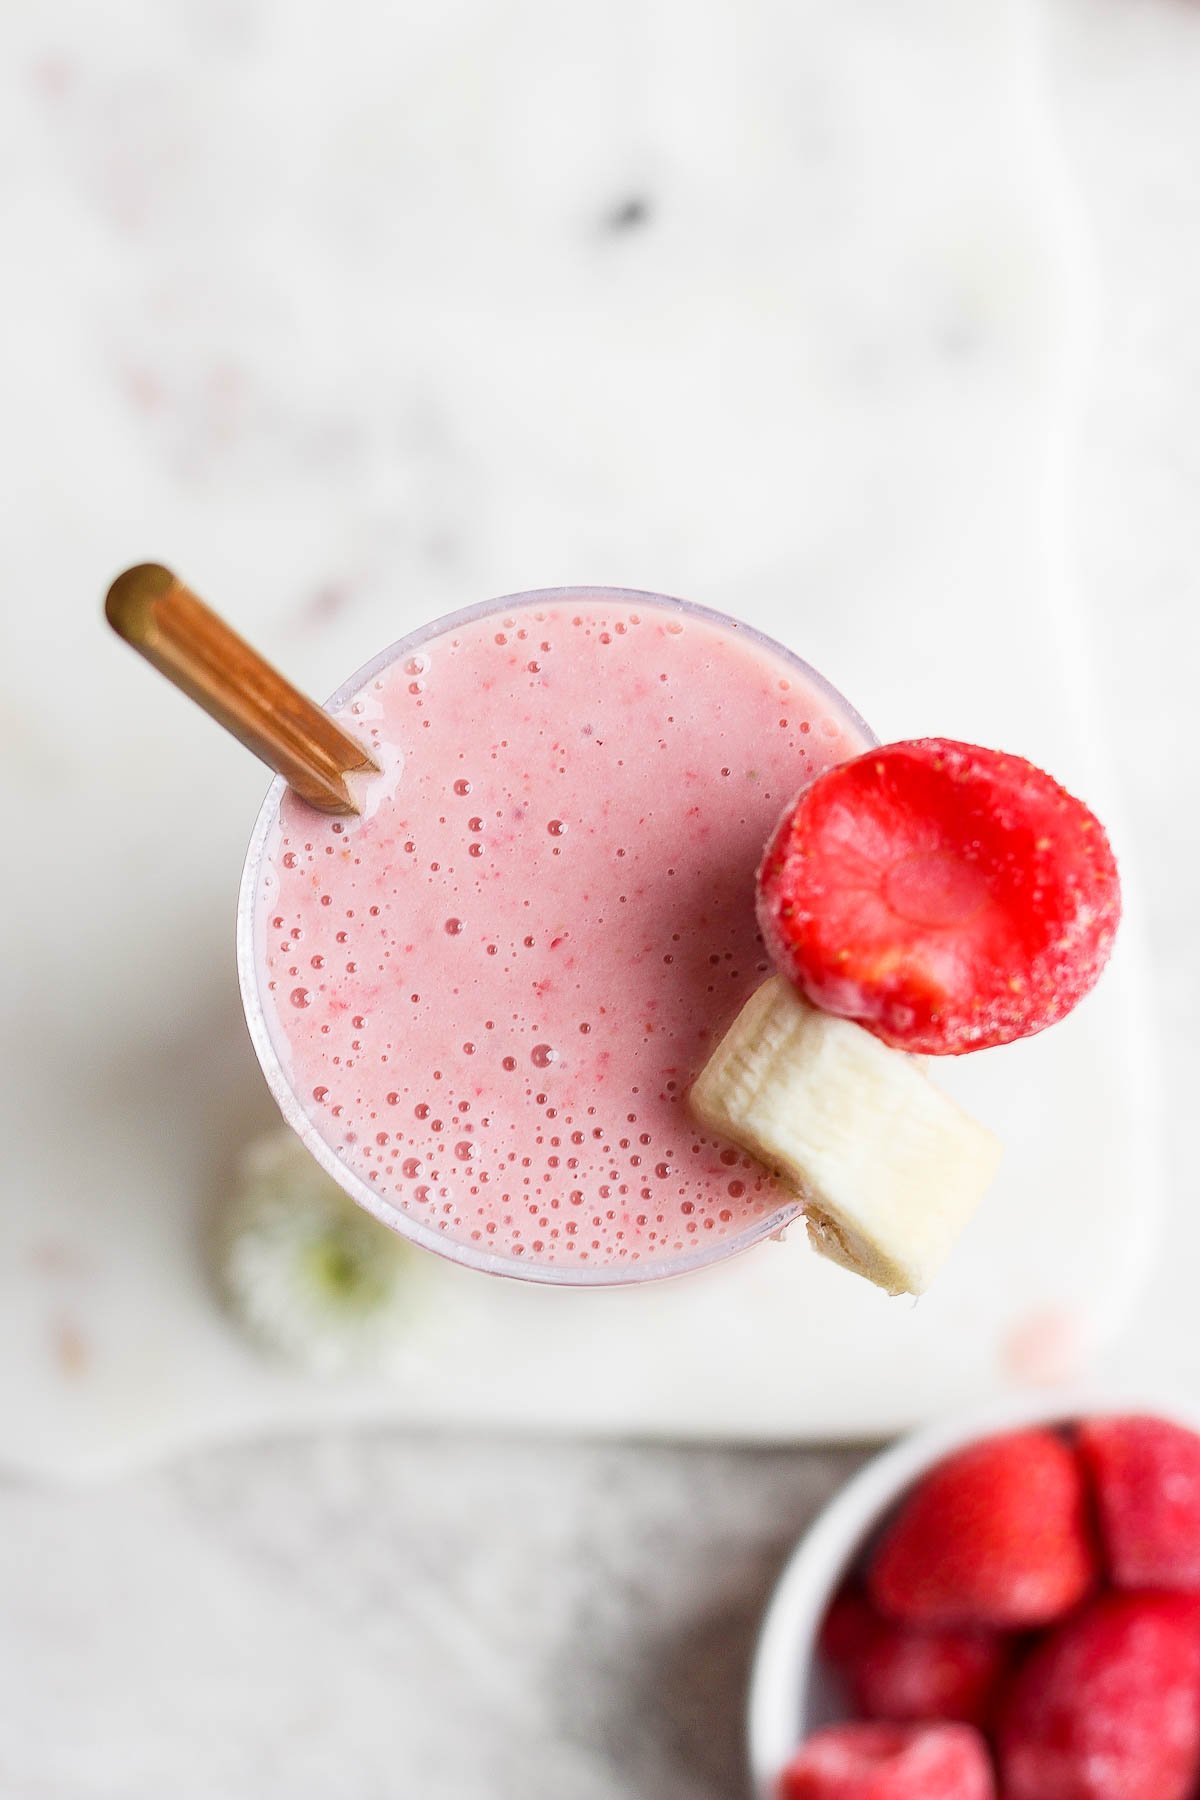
[[900, 1673], [1146, 1479], [1107, 1707], [890, 1762], [997, 1535], [946, 897]]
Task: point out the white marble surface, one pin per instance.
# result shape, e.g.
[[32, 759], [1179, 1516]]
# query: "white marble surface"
[[330, 1618], [356, 345]]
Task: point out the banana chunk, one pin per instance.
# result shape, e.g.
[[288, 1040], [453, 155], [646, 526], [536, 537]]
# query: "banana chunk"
[[888, 1168]]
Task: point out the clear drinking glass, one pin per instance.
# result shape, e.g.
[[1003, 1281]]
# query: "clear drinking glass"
[[305, 1118]]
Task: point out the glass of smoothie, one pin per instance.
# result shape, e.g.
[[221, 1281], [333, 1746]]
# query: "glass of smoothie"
[[481, 1002]]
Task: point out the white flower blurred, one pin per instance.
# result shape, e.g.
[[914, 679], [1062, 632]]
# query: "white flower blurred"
[[308, 1273]]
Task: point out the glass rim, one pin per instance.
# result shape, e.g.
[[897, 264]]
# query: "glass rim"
[[298, 1117]]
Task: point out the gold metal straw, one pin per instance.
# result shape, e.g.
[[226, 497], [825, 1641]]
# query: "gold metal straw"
[[184, 639]]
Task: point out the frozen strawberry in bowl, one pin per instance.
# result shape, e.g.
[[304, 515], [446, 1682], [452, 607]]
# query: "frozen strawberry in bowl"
[[1107, 1706], [905, 1673], [922, 899], [1028, 1574], [1145, 1476], [996, 1536], [890, 1762]]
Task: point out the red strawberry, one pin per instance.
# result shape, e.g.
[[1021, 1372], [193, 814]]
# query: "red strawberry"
[[997, 1535], [1108, 1706], [890, 1762], [848, 1628], [946, 897], [896, 1673], [1146, 1478]]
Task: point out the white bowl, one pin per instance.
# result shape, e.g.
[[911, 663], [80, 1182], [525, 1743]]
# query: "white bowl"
[[791, 1691]]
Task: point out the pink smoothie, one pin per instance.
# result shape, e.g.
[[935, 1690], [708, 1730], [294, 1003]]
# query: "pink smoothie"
[[490, 993]]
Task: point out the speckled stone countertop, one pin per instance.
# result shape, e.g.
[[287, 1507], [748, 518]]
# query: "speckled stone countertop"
[[468, 1619]]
